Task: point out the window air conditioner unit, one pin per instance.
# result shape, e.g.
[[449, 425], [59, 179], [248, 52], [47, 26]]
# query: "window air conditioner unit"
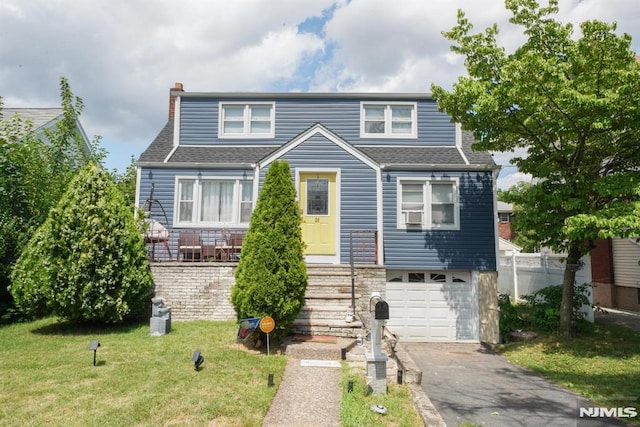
[[414, 218]]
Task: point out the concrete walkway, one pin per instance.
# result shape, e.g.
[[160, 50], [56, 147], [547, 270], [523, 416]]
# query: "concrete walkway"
[[310, 393], [309, 396]]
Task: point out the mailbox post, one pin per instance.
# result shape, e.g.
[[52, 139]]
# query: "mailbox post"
[[376, 359]]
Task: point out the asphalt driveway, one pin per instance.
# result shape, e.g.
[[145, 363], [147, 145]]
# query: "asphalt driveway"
[[466, 382]]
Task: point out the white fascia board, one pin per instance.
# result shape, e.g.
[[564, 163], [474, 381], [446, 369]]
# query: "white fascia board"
[[176, 122], [459, 143], [314, 130]]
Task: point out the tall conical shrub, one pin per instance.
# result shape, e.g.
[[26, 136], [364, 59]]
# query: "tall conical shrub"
[[271, 278], [87, 262]]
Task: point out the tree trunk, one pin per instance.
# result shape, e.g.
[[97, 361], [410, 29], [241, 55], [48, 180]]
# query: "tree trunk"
[[568, 290]]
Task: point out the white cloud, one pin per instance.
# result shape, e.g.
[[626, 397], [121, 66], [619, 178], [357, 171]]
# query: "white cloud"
[[122, 56], [508, 178]]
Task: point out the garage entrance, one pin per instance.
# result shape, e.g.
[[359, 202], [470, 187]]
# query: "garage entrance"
[[433, 306]]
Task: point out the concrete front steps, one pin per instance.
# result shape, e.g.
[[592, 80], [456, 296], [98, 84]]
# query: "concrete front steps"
[[328, 303]]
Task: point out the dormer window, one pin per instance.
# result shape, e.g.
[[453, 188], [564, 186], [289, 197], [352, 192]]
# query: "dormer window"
[[239, 120], [381, 120]]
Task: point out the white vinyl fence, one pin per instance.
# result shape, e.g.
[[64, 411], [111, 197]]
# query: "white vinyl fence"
[[524, 274]]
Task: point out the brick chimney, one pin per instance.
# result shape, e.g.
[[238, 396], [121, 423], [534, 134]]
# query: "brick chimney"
[[172, 99]]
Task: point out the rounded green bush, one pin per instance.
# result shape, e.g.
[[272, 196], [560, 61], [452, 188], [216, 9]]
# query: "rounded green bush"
[[87, 262]]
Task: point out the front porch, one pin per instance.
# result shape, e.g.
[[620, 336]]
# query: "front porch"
[[225, 245]]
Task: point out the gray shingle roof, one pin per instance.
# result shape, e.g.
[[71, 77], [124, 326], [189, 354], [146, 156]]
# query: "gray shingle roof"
[[220, 155], [475, 157], [39, 117], [414, 155], [162, 145]]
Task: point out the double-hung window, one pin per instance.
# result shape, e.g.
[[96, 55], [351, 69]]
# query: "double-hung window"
[[214, 201], [380, 120], [428, 204], [239, 120]]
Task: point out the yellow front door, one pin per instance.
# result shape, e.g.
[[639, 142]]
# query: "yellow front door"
[[318, 206]]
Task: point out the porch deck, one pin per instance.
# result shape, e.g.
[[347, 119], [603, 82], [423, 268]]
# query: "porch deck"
[[225, 245]]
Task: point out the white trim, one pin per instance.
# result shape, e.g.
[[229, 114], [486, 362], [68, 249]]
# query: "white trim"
[[246, 120], [380, 213], [210, 145], [401, 145], [138, 180], [496, 231], [176, 122], [173, 150], [324, 259], [256, 184], [196, 201], [459, 143], [321, 130], [427, 221], [388, 120]]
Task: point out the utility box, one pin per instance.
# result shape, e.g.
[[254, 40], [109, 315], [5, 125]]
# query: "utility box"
[[160, 322]]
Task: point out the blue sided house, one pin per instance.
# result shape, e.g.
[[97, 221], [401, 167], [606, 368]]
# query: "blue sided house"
[[382, 178]]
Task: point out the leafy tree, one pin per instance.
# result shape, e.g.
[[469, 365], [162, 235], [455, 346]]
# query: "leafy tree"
[[35, 169], [574, 105], [271, 278], [88, 261], [126, 182]]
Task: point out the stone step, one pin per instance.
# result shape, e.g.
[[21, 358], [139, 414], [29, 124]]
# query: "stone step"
[[329, 296], [330, 290], [321, 316], [327, 330], [326, 308], [314, 351], [337, 284], [329, 323]]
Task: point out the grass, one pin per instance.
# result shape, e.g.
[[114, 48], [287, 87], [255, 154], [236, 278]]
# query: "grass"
[[355, 410], [602, 365], [48, 376]]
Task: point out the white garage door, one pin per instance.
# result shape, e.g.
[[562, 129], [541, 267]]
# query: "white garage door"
[[444, 312]]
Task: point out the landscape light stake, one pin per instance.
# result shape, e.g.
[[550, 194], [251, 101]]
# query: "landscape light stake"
[[94, 346], [197, 359]]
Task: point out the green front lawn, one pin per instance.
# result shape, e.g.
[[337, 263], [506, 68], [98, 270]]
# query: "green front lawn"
[[602, 365], [47, 376]]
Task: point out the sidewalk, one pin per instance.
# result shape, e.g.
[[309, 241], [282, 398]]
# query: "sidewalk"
[[309, 396], [310, 393]]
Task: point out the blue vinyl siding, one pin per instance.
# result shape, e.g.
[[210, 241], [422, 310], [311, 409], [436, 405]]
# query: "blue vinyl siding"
[[357, 184], [164, 180], [470, 248], [199, 122]]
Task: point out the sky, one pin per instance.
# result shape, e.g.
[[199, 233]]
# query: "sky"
[[122, 56]]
